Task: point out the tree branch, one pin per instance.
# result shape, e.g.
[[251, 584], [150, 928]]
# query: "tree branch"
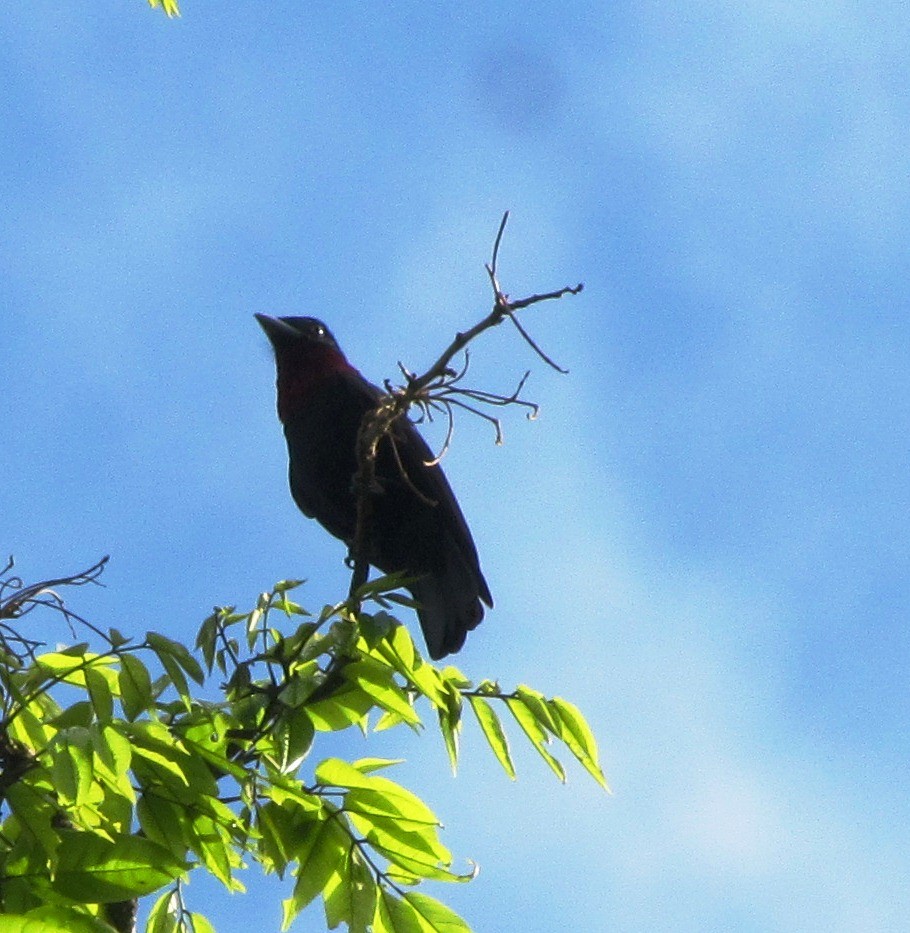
[[438, 384]]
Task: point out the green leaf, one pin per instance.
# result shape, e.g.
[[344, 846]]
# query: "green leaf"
[[179, 652], [387, 796], [394, 915], [169, 7], [535, 732], [71, 765], [100, 694], [536, 702], [30, 726], [376, 680], [80, 713], [117, 638], [176, 677], [577, 735], [35, 814], [164, 822], [344, 708], [212, 844], [163, 916], [113, 755], [201, 923], [322, 851], [295, 732], [336, 896], [207, 638], [492, 729], [60, 663], [399, 805], [53, 919], [419, 852], [160, 757], [435, 915], [135, 686], [369, 765], [279, 830], [362, 892], [398, 650], [95, 870], [450, 732]]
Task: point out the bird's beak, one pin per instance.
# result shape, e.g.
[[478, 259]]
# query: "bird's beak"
[[276, 329]]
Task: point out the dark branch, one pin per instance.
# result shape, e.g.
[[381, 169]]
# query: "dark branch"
[[438, 387]]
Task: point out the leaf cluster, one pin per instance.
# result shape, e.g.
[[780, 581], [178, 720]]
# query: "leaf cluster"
[[126, 767]]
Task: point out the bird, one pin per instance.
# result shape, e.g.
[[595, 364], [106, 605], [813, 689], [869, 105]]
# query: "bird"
[[416, 527]]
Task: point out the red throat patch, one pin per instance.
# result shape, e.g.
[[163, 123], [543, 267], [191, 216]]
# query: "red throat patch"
[[300, 371]]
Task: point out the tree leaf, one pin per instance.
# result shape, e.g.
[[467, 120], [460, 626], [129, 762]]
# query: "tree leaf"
[[135, 686], [535, 732], [536, 702], [436, 915], [164, 821], [376, 680], [344, 708], [72, 756], [100, 694], [91, 869], [163, 916], [492, 729], [295, 732], [53, 919], [577, 735], [183, 657], [323, 849]]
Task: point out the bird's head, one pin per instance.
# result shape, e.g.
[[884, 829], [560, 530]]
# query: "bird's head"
[[299, 335], [306, 353]]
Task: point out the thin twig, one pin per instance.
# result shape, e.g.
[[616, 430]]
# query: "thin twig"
[[439, 386]]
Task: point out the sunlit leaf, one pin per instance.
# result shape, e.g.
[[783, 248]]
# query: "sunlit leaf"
[[95, 870], [492, 729], [536, 702], [535, 732], [35, 814], [344, 708], [369, 765], [164, 822], [176, 659], [375, 679], [577, 735], [435, 915], [53, 919], [322, 850], [135, 686], [100, 694], [164, 914], [201, 923], [169, 6]]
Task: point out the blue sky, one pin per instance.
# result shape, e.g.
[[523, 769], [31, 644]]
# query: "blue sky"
[[703, 541]]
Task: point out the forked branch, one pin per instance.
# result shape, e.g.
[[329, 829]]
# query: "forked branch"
[[439, 388]]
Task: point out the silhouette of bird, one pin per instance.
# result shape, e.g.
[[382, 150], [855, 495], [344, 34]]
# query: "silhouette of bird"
[[423, 534]]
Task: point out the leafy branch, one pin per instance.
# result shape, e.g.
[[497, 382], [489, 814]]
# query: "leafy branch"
[[214, 784]]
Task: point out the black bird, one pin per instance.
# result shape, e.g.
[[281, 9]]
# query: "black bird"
[[321, 402]]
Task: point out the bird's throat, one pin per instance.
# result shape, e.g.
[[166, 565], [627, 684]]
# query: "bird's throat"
[[299, 375]]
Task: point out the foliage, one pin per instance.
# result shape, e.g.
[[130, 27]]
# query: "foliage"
[[169, 6], [124, 768]]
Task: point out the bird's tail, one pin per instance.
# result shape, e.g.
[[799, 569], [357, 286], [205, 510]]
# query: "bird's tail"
[[449, 606]]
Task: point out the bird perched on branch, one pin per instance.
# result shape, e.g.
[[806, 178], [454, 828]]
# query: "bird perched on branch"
[[415, 524]]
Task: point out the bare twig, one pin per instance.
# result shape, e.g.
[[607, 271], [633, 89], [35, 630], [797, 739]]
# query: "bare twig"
[[26, 598], [437, 387]]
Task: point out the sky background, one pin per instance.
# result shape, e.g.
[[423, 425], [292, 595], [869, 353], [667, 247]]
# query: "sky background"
[[704, 539]]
